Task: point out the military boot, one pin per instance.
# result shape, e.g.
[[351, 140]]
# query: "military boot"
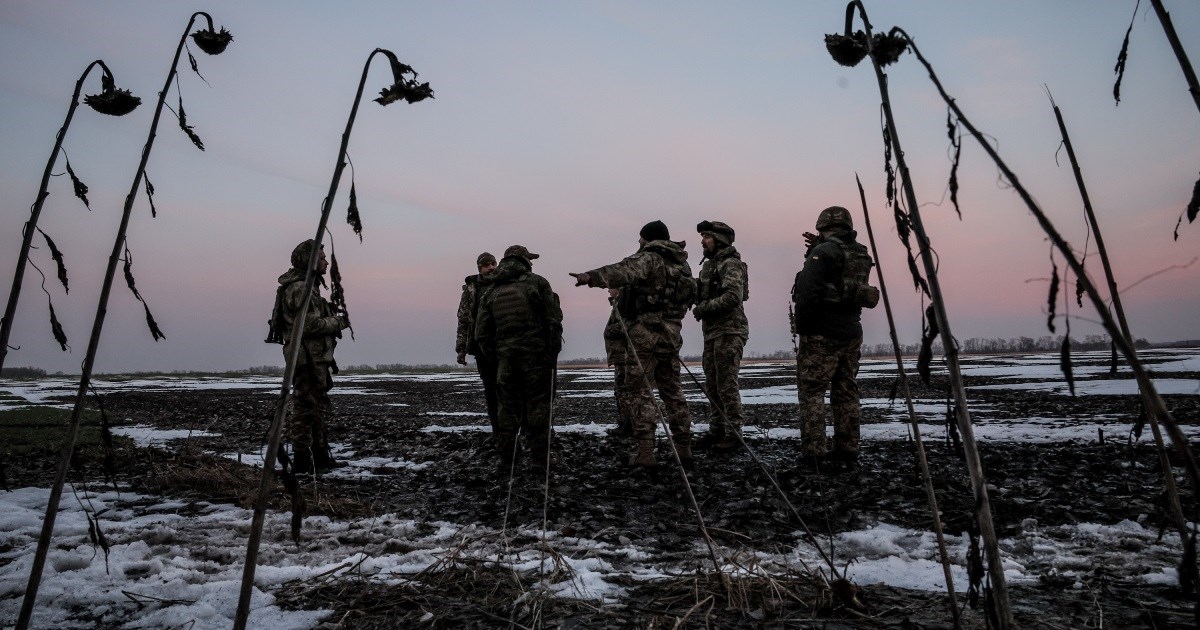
[[727, 444], [623, 429], [539, 452], [302, 463], [506, 443], [644, 455], [323, 460], [683, 446], [710, 437]]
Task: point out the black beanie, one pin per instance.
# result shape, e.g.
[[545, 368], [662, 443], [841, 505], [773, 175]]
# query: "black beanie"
[[655, 231]]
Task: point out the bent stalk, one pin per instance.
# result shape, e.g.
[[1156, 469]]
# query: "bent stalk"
[[1157, 408], [912, 414], [983, 508], [297, 332], [39, 559], [1169, 28], [1115, 296], [35, 213]]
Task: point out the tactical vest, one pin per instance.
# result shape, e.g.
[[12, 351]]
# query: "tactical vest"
[[515, 308], [714, 283], [853, 288], [673, 296]]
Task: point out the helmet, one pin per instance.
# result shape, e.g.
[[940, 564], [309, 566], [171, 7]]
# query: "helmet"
[[834, 216]]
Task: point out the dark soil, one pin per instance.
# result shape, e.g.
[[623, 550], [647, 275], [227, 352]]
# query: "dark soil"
[[591, 494]]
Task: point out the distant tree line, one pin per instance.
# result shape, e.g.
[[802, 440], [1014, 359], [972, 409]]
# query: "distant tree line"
[[22, 372]]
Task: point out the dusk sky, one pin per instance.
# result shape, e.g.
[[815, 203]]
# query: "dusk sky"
[[566, 126]]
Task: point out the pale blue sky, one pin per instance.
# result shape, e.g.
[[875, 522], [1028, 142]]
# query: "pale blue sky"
[[565, 126]]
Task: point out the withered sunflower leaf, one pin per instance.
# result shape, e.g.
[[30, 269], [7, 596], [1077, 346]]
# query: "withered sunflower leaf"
[[81, 189], [1064, 362], [1052, 299], [195, 67], [150, 196], [188, 129], [1123, 56], [57, 330], [352, 216], [155, 332], [58, 260]]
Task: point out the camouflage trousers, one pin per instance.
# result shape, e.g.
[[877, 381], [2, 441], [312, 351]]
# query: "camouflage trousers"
[[524, 389], [722, 360], [626, 391], [831, 364], [310, 406], [487, 373], [661, 372]]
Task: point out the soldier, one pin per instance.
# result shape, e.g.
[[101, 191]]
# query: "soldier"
[[464, 342], [661, 289], [616, 348], [520, 328], [315, 366], [724, 285], [829, 294]]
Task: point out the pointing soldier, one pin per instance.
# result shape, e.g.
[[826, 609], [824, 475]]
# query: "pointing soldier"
[[661, 289], [723, 287], [829, 294]]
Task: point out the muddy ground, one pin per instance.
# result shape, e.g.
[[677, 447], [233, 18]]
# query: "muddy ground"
[[591, 494]]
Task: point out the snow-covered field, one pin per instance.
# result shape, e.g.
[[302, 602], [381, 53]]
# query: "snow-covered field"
[[183, 561]]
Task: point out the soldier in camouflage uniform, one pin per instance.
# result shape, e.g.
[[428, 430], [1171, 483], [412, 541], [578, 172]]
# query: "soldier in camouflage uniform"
[[616, 348], [464, 342], [723, 286], [661, 289], [829, 294], [314, 369], [520, 327]]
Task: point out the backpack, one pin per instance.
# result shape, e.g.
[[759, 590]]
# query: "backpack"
[[674, 297], [854, 288], [277, 325]]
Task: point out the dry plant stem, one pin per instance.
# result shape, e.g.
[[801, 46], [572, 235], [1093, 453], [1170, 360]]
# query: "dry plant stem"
[[966, 431], [1115, 295], [687, 485], [36, 212], [285, 391], [1188, 73], [1158, 407], [912, 414], [64, 464], [827, 557]]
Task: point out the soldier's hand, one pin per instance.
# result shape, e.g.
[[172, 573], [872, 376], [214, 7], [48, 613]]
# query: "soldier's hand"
[[581, 279], [343, 322], [810, 239], [462, 358]]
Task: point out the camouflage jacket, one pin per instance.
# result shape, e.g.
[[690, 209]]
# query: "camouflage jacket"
[[815, 313], [616, 347], [724, 285], [643, 279], [518, 312], [468, 308], [322, 328]]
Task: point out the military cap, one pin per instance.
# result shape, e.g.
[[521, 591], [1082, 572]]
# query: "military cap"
[[720, 231], [520, 250], [486, 258], [834, 216], [301, 253], [655, 231]]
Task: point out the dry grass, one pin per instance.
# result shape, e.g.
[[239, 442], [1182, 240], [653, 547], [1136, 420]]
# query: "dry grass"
[[223, 480]]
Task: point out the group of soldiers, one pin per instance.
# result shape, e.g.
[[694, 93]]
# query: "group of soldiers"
[[510, 321]]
